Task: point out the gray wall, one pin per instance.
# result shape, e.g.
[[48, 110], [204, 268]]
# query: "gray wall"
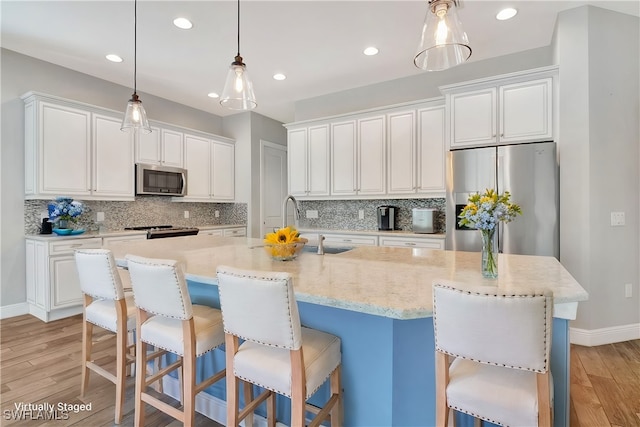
[[21, 74], [598, 53]]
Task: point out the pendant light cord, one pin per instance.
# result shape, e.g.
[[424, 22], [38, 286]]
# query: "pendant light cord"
[[238, 27], [135, 44]]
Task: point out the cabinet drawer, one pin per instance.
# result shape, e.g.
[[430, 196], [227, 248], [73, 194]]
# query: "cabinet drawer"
[[68, 246], [210, 233], [349, 240], [408, 242], [117, 239], [235, 232]]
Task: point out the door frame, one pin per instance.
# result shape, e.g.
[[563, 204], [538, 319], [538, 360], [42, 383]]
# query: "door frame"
[[265, 143]]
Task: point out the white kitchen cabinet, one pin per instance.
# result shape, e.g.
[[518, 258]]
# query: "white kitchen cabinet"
[[508, 109], [210, 169], [74, 150], [358, 157], [308, 161], [223, 232], [401, 142], [172, 148], [341, 239], [53, 287], [106, 241], [235, 232], [57, 148], [113, 154], [411, 242], [431, 151]]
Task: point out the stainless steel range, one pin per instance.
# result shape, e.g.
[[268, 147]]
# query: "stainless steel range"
[[161, 231]]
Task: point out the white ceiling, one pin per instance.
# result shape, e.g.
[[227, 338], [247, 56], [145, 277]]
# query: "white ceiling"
[[317, 44]]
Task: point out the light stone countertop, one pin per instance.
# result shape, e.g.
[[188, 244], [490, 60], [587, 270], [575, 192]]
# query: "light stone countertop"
[[383, 281]]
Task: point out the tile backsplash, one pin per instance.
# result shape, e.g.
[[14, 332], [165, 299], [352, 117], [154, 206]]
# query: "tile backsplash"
[[344, 214], [145, 210]]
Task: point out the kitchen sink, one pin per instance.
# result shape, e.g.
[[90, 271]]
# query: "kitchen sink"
[[327, 249]]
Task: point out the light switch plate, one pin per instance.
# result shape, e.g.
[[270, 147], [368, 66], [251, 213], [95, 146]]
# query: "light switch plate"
[[361, 214], [617, 219], [100, 216], [312, 214], [216, 214]]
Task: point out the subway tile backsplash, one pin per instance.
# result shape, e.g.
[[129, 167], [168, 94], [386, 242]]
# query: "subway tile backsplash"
[[146, 210], [344, 214]]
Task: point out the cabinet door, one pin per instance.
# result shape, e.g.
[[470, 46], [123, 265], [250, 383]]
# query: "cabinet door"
[[318, 161], [297, 161], [431, 149], [473, 118], [148, 147], [343, 158], [198, 163], [371, 156], [113, 164], [525, 111], [222, 171], [65, 154], [65, 284], [36, 277], [408, 242], [402, 153], [172, 148]]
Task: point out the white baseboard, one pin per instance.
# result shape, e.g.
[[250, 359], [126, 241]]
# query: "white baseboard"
[[14, 310], [594, 337], [208, 405]]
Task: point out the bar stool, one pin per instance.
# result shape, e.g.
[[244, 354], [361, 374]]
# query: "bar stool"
[[166, 319], [501, 343], [277, 354], [106, 306]]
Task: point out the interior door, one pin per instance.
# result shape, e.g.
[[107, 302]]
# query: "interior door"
[[273, 185]]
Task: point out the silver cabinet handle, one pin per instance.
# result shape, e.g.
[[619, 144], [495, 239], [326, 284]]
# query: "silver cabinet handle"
[[346, 240], [410, 244]]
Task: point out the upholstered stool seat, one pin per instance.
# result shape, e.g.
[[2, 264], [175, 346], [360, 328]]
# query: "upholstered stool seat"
[[278, 354], [166, 319], [501, 341], [107, 306]]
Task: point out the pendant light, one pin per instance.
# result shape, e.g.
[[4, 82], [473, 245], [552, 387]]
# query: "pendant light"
[[135, 118], [238, 89], [444, 43]]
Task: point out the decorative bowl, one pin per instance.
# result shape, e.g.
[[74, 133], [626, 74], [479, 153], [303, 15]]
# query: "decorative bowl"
[[63, 231], [284, 251]]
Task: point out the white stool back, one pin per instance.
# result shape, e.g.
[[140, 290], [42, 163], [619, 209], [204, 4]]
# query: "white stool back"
[[98, 274], [158, 288], [260, 308], [492, 326]]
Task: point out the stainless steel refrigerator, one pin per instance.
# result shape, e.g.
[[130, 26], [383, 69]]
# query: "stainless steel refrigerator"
[[530, 173]]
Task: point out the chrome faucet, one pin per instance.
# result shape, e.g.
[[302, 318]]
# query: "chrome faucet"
[[296, 211], [320, 244]]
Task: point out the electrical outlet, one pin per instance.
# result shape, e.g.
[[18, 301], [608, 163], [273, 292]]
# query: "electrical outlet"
[[186, 214], [361, 214], [312, 214], [216, 214], [617, 219], [628, 290], [100, 216]]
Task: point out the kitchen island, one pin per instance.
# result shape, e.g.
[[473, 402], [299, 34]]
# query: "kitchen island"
[[378, 300]]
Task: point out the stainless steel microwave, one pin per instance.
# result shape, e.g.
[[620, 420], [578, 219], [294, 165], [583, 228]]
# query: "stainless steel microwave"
[[160, 180]]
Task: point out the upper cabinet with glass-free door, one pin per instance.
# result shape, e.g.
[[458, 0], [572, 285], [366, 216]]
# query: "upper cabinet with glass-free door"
[[160, 147], [308, 161], [507, 109]]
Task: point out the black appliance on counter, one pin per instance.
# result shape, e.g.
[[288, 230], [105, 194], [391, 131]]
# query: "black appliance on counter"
[[161, 231], [387, 217]]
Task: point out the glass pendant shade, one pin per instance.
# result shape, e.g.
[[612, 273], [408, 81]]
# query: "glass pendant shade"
[[444, 43], [238, 89], [135, 118]]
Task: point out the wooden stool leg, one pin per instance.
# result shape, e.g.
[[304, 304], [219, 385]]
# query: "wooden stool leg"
[[336, 389], [121, 365], [231, 347], [298, 389], [141, 370], [189, 372], [271, 410], [87, 342], [247, 389]]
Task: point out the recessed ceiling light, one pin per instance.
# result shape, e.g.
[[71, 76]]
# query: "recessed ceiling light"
[[213, 95], [370, 51], [113, 58], [183, 23], [279, 76], [505, 14]]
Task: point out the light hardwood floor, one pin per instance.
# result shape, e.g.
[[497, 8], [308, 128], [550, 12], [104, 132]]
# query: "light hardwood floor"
[[40, 363]]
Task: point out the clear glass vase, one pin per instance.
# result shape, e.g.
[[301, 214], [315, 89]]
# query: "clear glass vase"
[[63, 223], [489, 254]]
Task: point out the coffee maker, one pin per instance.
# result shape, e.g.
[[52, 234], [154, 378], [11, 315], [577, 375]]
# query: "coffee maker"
[[387, 217]]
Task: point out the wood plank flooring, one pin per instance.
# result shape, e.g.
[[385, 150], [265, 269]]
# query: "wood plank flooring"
[[40, 363]]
